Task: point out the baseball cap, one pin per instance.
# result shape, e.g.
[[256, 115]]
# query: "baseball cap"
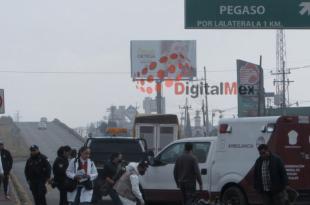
[[33, 147], [144, 164]]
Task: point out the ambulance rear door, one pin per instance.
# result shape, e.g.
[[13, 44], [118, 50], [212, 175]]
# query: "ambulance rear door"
[[291, 141]]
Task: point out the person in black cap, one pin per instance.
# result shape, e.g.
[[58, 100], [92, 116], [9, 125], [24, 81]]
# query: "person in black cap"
[[37, 172], [7, 163]]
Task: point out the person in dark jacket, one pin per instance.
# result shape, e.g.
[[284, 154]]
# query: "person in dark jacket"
[[59, 170], [112, 172], [270, 177], [37, 173], [186, 173], [7, 163]]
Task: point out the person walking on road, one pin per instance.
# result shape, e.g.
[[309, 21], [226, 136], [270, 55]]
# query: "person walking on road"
[[270, 177], [7, 163], [59, 170], [37, 172], [1, 170], [128, 187], [186, 173], [113, 170], [84, 171]]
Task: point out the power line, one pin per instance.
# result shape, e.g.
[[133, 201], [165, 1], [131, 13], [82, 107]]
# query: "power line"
[[122, 72], [301, 67], [268, 69], [63, 72]]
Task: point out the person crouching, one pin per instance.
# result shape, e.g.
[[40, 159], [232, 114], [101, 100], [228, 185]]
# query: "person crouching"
[[127, 186]]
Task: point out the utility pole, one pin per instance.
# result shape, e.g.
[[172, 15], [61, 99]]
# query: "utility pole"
[[187, 124], [261, 90], [182, 120], [17, 116], [137, 107], [159, 96], [284, 82], [283, 86], [206, 116], [186, 108]]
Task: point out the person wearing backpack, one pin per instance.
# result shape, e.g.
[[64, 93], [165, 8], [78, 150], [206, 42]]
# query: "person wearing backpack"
[[60, 166], [84, 172], [37, 173]]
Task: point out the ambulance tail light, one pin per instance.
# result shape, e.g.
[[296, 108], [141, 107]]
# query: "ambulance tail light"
[[225, 128]]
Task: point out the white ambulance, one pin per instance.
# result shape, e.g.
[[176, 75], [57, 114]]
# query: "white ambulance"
[[227, 161]]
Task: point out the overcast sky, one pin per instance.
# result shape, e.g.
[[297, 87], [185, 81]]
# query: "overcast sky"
[[94, 36]]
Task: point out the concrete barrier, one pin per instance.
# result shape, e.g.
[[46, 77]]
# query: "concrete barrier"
[[22, 196], [14, 194]]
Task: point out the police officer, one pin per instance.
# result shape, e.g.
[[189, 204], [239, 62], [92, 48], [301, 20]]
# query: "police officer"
[[37, 172], [7, 162]]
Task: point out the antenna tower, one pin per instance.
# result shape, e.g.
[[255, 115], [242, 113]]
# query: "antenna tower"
[[281, 81]]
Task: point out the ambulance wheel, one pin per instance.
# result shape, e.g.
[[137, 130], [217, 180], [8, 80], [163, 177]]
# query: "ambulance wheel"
[[233, 196]]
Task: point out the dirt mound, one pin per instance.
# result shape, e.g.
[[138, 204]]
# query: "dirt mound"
[[10, 135]]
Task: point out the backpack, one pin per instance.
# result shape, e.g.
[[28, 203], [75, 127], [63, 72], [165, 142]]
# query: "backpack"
[[71, 184]]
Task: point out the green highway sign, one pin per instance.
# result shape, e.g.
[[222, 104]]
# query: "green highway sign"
[[247, 14]]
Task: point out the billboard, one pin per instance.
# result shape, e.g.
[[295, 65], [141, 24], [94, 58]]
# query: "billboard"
[[161, 60], [251, 100]]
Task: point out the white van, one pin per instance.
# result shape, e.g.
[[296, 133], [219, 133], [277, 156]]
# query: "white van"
[[227, 161]]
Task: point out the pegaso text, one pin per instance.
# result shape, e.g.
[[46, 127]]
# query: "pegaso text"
[[242, 10], [239, 11]]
